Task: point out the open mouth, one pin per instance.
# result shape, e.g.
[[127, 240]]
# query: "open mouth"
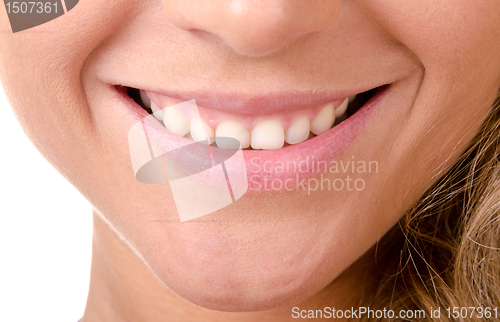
[[268, 131], [279, 148]]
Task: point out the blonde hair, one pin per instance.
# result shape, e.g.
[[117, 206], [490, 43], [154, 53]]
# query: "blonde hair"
[[445, 252]]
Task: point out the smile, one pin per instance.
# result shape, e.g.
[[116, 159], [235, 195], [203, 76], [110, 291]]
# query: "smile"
[[267, 131], [297, 129]]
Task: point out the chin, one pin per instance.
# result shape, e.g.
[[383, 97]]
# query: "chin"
[[241, 290]]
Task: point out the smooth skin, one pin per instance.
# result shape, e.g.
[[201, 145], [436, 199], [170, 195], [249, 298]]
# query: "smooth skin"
[[264, 253]]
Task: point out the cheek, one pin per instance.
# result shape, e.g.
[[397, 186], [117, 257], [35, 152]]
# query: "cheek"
[[441, 33], [41, 74], [460, 57]]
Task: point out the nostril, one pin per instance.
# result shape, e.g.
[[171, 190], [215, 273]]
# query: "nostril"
[[254, 27]]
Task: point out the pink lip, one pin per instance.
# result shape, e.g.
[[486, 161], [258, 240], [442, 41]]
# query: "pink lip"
[[282, 102], [265, 168], [310, 157]]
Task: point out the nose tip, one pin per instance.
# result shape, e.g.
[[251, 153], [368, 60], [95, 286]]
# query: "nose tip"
[[254, 27]]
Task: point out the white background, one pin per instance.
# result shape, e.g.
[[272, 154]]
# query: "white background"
[[45, 234]]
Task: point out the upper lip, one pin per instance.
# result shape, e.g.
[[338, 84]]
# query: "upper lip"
[[268, 103], [245, 97]]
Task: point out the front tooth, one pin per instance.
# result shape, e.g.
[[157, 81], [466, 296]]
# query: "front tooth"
[[324, 121], [268, 135], [232, 129], [339, 111], [200, 131], [175, 122], [351, 98], [298, 131], [145, 99], [157, 112]]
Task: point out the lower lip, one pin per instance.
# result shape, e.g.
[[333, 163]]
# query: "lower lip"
[[271, 170]]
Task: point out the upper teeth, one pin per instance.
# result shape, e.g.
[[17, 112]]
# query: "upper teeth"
[[157, 112], [324, 121], [145, 99], [339, 111], [175, 122], [200, 131], [298, 131], [232, 129], [267, 134]]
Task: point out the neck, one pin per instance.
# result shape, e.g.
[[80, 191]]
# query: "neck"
[[122, 288]]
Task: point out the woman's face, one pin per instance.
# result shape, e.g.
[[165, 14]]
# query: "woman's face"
[[253, 61]]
